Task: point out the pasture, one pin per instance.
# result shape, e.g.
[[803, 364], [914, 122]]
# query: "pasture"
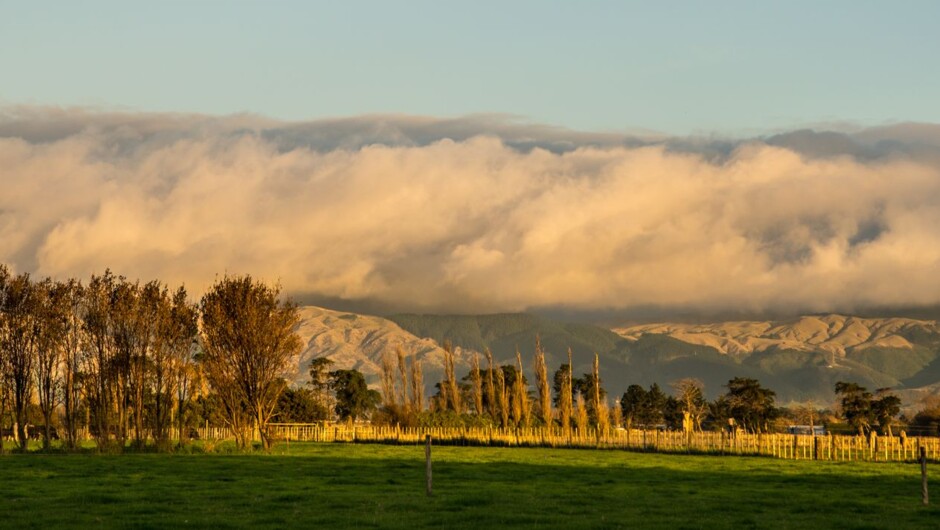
[[309, 485]]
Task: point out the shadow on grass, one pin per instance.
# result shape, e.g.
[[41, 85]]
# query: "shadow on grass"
[[383, 487]]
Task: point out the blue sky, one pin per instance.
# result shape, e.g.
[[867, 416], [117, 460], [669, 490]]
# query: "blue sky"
[[675, 67]]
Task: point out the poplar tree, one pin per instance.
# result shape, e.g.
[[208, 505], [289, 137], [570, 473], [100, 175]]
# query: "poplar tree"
[[417, 385], [541, 383], [491, 399]]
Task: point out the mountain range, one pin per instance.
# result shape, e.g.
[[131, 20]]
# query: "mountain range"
[[801, 358]]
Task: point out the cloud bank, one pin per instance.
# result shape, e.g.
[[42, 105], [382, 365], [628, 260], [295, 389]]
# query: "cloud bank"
[[482, 213]]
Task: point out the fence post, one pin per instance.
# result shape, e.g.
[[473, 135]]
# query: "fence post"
[[923, 475], [427, 459]]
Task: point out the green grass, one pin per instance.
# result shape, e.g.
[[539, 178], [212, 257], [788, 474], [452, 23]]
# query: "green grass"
[[376, 486]]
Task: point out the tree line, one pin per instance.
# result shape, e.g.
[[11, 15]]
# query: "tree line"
[[136, 363], [501, 396], [132, 362]]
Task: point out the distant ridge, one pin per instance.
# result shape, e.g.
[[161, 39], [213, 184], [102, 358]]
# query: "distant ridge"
[[800, 358]]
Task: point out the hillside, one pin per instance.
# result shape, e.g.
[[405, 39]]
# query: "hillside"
[[359, 341], [801, 359]]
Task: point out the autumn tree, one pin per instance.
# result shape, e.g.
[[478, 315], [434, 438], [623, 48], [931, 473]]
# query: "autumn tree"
[[100, 358], [51, 320], [4, 356], [21, 337], [389, 397], [476, 385], [177, 375], [520, 394], [70, 299], [417, 385], [450, 389], [247, 340], [502, 395], [403, 380], [541, 384], [491, 398]]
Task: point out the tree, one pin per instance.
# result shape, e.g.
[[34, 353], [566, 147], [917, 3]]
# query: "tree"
[[388, 383], [476, 385], [589, 386], [449, 388], [4, 357], [692, 404], [21, 336], [179, 331], [406, 404], [520, 395], [492, 400], [885, 409], [248, 339], [652, 408], [599, 404], [856, 403], [100, 358], [51, 319], [541, 384], [632, 404], [69, 297], [502, 395], [354, 398], [319, 370], [564, 393], [417, 385], [299, 405], [750, 404]]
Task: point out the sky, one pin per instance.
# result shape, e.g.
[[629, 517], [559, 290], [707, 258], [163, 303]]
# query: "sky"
[[727, 67], [586, 157]]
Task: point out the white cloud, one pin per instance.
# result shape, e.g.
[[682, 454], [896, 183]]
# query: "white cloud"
[[476, 214]]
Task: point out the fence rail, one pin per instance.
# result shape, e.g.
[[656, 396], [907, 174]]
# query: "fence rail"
[[788, 446]]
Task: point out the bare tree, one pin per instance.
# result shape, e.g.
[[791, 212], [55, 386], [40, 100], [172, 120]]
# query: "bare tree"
[[319, 370], [520, 396], [417, 385], [476, 385], [248, 339], [71, 303], [449, 388], [51, 320], [21, 339], [99, 357], [599, 405], [690, 394], [565, 395], [4, 356], [541, 383], [491, 399], [403, 379], [502, 393], [581, 414], [174, 369], [388, 382]]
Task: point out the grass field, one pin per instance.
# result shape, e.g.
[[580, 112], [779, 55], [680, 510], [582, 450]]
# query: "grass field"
[[378, 486]]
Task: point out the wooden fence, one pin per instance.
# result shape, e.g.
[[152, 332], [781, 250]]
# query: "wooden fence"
[[789, 446]]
